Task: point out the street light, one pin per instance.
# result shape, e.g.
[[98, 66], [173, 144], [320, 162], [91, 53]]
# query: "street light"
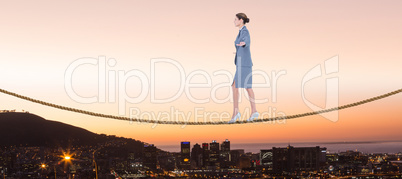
[[66, 157], [44, 166], [96, 169], [96, 166]]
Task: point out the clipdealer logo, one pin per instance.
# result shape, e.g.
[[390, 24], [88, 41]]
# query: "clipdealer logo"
[[112, 88]]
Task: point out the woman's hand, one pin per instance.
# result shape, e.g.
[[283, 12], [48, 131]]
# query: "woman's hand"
[[241, 44]]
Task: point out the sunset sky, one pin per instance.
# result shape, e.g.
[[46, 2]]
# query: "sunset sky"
[[40, 40]]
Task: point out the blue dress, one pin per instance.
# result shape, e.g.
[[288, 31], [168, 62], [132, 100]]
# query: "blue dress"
[[243, 77]]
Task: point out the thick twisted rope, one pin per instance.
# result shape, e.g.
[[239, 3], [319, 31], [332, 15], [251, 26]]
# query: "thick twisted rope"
[[200, 123]]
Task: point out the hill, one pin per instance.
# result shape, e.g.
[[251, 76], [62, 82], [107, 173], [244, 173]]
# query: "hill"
[[26, 129]]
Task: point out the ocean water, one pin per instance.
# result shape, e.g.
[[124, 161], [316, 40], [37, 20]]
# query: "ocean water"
[[332, 147]]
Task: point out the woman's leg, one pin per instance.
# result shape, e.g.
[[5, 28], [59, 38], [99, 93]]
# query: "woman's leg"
[[252, 99], [235, 99]]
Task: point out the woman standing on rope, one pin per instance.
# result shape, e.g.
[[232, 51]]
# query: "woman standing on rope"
[[243, 77]]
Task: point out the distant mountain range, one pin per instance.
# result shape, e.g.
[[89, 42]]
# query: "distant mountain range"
[[26, 129]]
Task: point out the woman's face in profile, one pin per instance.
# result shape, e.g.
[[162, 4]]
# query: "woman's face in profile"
[[237, 22]]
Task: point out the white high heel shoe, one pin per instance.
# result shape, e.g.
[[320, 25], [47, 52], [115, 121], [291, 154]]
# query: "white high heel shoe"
[[253, 116], [234, 118]]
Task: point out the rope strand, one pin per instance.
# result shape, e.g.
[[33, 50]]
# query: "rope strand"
[[199, 123]]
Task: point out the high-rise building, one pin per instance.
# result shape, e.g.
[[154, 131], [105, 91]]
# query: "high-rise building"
[[291, 159], [225, 146], [225, 154], [266, 160], [150, 156], [196, 156], [205, 155], [185, 155], [235, 156], [214, 153]]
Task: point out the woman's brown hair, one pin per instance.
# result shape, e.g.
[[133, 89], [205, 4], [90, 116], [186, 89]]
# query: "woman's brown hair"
[[243, 16]]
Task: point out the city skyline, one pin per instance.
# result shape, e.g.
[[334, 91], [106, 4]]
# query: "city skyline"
[[33, 147], [211, 160]]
